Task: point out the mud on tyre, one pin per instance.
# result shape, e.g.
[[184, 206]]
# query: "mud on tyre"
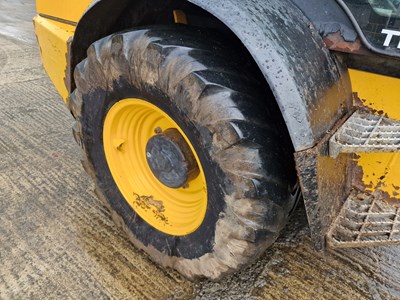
[[222, 112]]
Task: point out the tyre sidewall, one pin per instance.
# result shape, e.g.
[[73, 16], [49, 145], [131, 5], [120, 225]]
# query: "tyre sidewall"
[[96, 106]]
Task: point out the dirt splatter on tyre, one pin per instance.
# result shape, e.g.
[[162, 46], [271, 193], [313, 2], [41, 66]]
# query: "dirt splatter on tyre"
[[193, 82]]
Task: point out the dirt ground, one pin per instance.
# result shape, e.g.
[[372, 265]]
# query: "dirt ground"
[[57, 240]]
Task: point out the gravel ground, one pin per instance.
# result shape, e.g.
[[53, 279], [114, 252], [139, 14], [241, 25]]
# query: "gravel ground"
[[57, 239]]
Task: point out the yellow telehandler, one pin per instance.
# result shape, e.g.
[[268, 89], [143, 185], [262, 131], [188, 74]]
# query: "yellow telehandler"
[[203, 122]]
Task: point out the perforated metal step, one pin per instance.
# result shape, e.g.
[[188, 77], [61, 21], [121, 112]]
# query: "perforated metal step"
[[365, 220], [364, 132]]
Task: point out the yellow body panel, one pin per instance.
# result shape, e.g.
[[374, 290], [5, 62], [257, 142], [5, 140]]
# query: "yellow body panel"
[[382, 95], [52, 38], [70, 10]]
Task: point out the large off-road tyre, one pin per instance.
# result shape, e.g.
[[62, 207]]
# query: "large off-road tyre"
[[187, 91]]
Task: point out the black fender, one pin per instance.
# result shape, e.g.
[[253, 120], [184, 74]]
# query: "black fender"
[[311, 87]]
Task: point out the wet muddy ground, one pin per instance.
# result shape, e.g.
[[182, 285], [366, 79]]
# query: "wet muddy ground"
[[57, 240]]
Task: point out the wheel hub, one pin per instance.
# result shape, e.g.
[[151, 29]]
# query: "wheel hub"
[[170, 159], [155, 166]]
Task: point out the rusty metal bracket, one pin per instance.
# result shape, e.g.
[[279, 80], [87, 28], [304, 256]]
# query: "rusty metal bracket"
[[325, 183]]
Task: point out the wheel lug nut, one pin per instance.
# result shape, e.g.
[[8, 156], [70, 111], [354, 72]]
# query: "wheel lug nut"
[[118, 144], [158, 130]]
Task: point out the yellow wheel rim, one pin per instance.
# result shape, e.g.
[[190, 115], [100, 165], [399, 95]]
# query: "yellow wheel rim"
[[129, 125]]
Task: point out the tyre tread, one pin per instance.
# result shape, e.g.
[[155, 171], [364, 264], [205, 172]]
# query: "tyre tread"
[[242, 233]]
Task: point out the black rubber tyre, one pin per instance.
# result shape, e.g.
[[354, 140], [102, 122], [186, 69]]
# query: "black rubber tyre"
[[229, 118]]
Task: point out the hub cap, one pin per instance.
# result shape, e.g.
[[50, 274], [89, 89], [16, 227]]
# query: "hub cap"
[[171, 159]]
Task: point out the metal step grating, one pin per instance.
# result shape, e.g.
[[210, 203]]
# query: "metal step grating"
[[364, 132], [365, 221]]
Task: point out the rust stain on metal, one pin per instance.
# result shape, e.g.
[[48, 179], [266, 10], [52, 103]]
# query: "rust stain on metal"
[[362, 105], [334, 41], [385, 197], [360, 185], [149, 203], [357, 177], [68, 72]]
